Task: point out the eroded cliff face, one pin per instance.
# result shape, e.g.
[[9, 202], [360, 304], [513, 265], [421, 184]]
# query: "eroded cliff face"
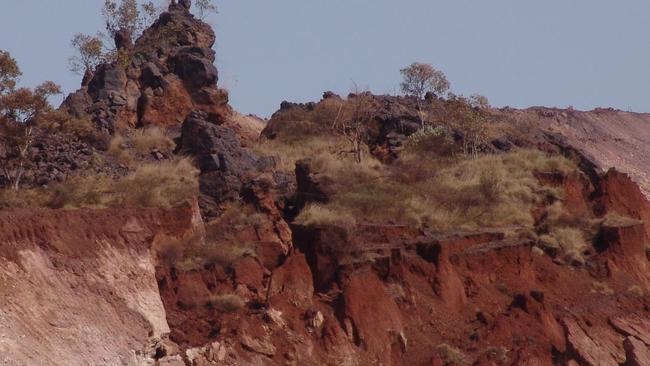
[[93, 287], [79, 287], [111, 287]]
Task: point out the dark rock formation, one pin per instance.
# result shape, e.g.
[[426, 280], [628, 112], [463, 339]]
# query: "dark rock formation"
[[159, 80], [226, 166], [186, 4], [53, 158], [123, 40]]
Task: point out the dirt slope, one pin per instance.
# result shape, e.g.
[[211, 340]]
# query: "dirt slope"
[[79, 287], [611, 138]]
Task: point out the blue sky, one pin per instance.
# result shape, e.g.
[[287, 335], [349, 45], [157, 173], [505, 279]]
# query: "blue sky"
[[584, 53]]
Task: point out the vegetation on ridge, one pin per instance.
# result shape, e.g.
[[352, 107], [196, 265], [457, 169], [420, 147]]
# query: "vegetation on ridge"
[[161, 184], [455, 193]]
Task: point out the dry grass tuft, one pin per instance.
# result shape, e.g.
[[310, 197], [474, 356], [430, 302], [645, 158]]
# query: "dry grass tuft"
[[161, 184], [569, 241], [602, 288], [148, 139], [636, 290], [315, 214], [451, 355], [229, 303], [118, 149], [24, 198], [615, 219]]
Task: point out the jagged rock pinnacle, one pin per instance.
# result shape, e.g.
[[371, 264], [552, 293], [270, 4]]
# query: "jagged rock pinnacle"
[[168, 72], [123, 40], [186, 4], [180, 4]]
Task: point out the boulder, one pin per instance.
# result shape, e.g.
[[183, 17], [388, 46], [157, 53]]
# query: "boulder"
[[311, 185], [263, 346], [227, 167], [108, 83], [621, 195], [176, 360], [194, 66], [123, 40]]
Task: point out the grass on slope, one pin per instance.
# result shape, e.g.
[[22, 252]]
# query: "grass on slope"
[[150, 185], [443, 194]]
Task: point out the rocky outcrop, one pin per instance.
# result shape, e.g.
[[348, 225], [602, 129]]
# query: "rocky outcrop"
[[623, 247], [52, 158], [159, 80], [226, 165], [619, 194]]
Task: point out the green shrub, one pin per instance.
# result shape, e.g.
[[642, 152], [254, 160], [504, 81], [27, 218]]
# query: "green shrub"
[[437, 140]]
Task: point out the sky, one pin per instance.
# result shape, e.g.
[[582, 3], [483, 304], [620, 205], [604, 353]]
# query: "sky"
[[518, 53]]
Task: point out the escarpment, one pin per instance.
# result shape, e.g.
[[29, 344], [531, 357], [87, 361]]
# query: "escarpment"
[[365, 230]]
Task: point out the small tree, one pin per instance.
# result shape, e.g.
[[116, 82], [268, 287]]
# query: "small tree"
[[205, 7], [122, 16], [9, 72], [19, 110], [353, 119], [470, 117], [90, 53], [149, 12], [419, 79], [128, 16]]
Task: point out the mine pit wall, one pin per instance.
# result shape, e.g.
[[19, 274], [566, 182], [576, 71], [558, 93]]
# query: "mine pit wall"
[[79, 287]]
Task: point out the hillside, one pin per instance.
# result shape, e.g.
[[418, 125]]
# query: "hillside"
[[611, 138], [145, 222]]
